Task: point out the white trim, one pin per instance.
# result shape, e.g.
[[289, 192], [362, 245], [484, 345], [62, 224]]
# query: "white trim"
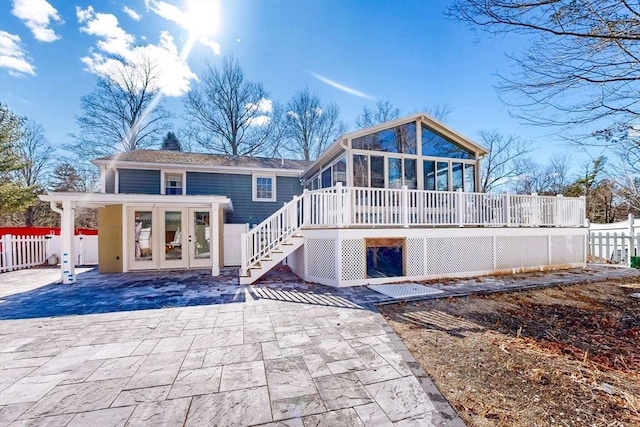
[[116, 181], [123, 164], [163, 180], [103, 179], [104, 199], [254, 187]]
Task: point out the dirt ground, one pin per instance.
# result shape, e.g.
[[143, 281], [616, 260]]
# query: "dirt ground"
[[556, 356]]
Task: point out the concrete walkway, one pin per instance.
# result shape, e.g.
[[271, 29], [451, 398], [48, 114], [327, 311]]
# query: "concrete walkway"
[[320, 361]]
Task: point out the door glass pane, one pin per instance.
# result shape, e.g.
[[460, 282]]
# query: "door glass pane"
[[456, 175], [202, 235], [377, 172], [395, 173], [410, 177], [142, 239], [429, 172], [173, 235], [469, 178], [443, 176], [360, 171]]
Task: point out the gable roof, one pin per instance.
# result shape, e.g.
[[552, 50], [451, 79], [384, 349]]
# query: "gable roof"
[[341, 142], [180, 158]]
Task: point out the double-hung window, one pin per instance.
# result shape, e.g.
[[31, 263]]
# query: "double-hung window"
[[173, 183], [264, 188]]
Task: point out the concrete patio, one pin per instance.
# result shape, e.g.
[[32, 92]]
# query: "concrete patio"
[[233, 356]]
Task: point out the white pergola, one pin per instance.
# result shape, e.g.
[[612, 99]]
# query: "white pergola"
[[65, 203]]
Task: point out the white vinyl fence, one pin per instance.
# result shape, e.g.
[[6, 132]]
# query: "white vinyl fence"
[[614, 243], [19, 252]]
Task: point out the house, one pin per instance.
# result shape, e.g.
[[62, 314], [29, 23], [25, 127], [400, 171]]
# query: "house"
[[391, 202]]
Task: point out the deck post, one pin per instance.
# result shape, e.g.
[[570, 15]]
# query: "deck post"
[[460, 207], [507, 208], [214, 246], [339, 206], [306, 207], [631, 245], [405, 206], [560, 215], [535, 209], [7, 252]]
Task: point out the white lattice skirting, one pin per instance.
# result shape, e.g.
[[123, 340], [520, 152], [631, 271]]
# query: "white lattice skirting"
[[337, 257]]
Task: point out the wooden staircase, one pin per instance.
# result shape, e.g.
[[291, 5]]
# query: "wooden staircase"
[[271, 241], [271, 259]]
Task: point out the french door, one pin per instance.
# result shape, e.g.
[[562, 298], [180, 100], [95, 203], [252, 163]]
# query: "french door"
[[169, 238]]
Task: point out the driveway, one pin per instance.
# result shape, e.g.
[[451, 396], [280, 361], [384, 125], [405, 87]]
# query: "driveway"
[[281, 354]]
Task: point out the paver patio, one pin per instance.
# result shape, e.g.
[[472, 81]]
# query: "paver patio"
[[183, 348], [323, 361]]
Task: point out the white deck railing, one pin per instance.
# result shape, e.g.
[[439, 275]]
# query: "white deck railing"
[[353, 206], [18, 252], [361, 207]]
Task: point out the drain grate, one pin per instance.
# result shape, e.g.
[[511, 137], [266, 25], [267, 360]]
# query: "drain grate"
[[404, 290]]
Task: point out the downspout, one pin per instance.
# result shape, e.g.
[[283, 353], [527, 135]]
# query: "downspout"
[[54, 207]]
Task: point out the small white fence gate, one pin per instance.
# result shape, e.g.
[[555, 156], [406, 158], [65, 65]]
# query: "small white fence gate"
[[19, 252], [615, 243]]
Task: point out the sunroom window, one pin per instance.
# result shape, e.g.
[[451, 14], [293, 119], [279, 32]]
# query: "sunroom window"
[[435, 145], [400, 139]]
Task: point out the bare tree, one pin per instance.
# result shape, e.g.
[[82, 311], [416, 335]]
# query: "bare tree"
[[551, 178], [229, 114], [384, 111], [309, 126], [582, 64], [500, 167], [35, 156], [123, 113], [438, 112]]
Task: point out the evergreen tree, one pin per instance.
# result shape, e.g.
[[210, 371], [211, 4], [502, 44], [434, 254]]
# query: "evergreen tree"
[[170, 142]]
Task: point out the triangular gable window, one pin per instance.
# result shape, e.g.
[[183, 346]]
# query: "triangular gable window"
[[435, 145]]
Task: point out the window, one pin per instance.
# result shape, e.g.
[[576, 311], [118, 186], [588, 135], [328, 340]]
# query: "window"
[[173, 183], [410, 174], [443, 176], [429, 175], [401, 139], [264, 188], [377, 172], [340, 171], [326, 178], [360, 170], [469, 178], [456, 175], [434, 145]]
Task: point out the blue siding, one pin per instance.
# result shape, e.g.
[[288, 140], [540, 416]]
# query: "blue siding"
[[239, 189], [139, 181], [110, 181]]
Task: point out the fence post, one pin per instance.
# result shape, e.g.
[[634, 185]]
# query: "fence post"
[[460, 207], [405, 206], [243, 254], [339, 206], [631, 243], [7, 252]]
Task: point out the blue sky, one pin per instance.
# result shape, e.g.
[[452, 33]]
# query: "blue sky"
[[405, 52]]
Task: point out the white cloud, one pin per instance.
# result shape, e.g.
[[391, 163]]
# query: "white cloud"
[[264, 106], [37, 16], [215, 46], [174, 75], [13, 57], [341, 86], [132, 13], [190, 20]]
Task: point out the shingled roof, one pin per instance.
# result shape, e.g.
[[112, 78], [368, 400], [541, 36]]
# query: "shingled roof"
[[179, 157]]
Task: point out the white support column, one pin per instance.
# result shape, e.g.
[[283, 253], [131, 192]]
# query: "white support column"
[[103, 179], [507, 209], [535, 209], [631, 242], [214, 244], [559, 211], [67, 260], [306, 207]]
